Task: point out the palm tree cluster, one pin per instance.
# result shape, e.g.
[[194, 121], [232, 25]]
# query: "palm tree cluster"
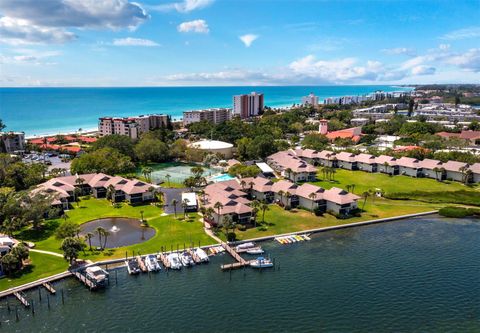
[[328, 173]]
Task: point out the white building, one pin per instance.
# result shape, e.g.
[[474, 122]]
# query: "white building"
[[310, 100], [215, 116], [246, 106], [131, 126]]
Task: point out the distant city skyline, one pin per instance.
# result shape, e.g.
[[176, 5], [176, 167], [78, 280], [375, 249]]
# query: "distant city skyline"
[[231, 43]]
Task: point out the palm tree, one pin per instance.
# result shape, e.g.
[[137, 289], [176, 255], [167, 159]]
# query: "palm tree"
[[250, 189], [243, 183], [288, 195], [105, 235], [312, 196], [386, 165], [76, 195], [89, 236], [322, 170], [264, 207], [437, 171], [288, 171], [218, 206], [174, 204], [466, 172], [209, 212], [281, 193], [100, 232], [80, 181], [111, 193], [255, 208], [333, 172], [167, 177], [184, 206], [365, 195], [227, 225], [147, 173]]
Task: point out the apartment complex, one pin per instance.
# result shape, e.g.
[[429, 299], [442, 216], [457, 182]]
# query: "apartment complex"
[[131, 126], [215, 116], [246, 106], [310, 100], [11, 142]]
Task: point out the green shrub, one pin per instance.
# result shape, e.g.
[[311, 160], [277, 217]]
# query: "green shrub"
[[241, 227], [457, 212]]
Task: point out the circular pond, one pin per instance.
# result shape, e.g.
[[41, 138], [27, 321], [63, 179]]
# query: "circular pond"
[[121, 232]]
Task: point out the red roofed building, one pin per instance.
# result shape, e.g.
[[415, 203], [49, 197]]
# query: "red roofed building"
[[471, 136], [353, 133]]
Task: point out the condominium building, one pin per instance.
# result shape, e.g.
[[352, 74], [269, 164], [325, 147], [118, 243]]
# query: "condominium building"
[[215, 116], [246, 106], [11, 142], [131, 126], [310, 100]]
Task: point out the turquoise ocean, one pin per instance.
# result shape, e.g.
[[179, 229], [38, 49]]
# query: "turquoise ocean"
[[38, 111]]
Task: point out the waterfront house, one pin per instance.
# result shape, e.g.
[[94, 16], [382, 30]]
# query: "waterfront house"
[[133, 191], [285, 193], [260, 188], [475, 169], [457, 171], [346, 161], [366, 162], [409, 166], [432, 169], [227, 198], [311, 197], [387, 164], [340, 201], [291, 167], [327, 158]]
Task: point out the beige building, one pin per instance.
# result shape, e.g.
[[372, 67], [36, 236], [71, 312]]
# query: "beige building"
[[131, 126], [215, 116], [11, 142]]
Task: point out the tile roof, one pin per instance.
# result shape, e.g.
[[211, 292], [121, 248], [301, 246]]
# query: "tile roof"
[[430, 164], [365, 158], [339, 196], [408, 162], [454, 166]]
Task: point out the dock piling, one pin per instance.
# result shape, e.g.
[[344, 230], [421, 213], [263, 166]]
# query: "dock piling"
[[33, 308], [48, 301], [39, 294], [116, 277], [16, 313], [63, 298], [8, 306]]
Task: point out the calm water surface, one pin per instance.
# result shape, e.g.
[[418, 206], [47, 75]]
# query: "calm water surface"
[[420, 275]]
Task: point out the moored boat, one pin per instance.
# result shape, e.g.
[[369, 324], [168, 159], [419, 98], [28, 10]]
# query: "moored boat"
[[261, 262], [132, 266], [152, 263], [201, 254], [244, 246], [174, 260], [255, 250], [97, 274], [186, 259]]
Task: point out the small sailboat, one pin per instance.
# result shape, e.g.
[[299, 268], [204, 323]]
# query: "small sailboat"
[[132, 266], [174, 260], [261, 262], [255, 250], [186, 259], [152, 263], [201, 254]]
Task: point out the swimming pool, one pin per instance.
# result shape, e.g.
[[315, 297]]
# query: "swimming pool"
[[221, 178]]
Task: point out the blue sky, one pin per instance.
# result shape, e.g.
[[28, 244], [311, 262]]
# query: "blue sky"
[[237, 42]]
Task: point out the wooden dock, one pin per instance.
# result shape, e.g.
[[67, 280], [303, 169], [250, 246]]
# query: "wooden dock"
[[164, 260], [141, 264], [240, 261], [21, 297], [49, 287], [89, 283]]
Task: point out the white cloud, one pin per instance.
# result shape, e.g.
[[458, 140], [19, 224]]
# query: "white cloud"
[[400, 50], [469, 60], [47, 21], [471, 32], [185, 6], [197, 26], [444, 47], [28, 57], [248, 39], [134, 42], [423, 70]]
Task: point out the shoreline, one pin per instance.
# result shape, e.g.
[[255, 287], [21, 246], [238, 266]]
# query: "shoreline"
[[62, 275]]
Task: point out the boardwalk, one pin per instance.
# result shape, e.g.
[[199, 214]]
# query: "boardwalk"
[[20, 296], [49, 287], [240, 261]]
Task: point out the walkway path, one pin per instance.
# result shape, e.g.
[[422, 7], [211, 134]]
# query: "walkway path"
[[47, 252]]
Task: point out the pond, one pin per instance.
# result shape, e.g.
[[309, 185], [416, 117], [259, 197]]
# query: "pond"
[[178, 172], [122, 232]]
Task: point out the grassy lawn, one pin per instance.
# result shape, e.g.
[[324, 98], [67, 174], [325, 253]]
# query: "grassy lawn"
[[42, 265], [279, 221], [404, 187]]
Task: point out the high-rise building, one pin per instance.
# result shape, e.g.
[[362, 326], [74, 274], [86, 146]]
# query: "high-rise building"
[[11, 142], [310, 100], [131, 126], [215, 116], [246, 106]]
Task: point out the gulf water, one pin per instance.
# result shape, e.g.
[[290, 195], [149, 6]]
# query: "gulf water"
[[39, 111], [416, 275]]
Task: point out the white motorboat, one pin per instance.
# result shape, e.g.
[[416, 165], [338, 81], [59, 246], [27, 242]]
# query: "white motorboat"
[[255, 250], [97, 274], [132, 266], [261, 262], [174, 260], [245, 246], [186, 259], [152, 263], [202, 255]]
